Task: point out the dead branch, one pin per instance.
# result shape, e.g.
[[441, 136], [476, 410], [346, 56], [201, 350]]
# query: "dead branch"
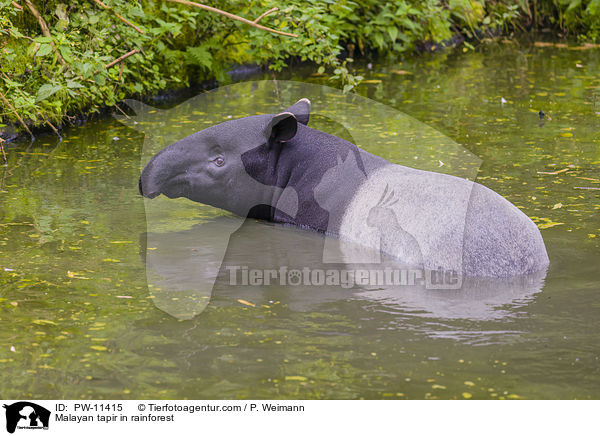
[[17, 5], [44, 27], [553, 173], [121, 110], [121, 72], [233, 17], [120, 77], [264, 14], [125, 20], [125, 56], [50, 124], [3, 153], [10, 106]]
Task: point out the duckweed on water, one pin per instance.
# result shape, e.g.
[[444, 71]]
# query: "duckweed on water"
[[77, 313]]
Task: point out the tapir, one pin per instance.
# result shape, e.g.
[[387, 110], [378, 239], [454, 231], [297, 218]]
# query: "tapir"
[[274, 167]]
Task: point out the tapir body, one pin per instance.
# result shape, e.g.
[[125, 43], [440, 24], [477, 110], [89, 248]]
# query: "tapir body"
[[276, 168]]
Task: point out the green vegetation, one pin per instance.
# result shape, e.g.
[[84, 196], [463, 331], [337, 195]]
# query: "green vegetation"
[[60, 59]]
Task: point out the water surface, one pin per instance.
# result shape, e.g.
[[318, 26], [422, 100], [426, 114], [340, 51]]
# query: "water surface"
[[78, 319]]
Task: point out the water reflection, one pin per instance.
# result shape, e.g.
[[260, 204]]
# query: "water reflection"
[[184, 265]]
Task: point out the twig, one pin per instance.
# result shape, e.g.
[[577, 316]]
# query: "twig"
[[553, 173], [121, 110], [125, 20], [264, 14], [3, 154], [50, 124], [7, 103], [120, 77], [119, 59], [121, 72], [587, 187], [233, 17], [44, 26], [17, 5]]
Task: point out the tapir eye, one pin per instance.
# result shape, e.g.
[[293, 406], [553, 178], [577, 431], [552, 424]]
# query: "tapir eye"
[[219, 161]]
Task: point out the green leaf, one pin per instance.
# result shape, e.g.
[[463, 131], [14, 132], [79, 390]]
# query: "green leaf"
[[43, 39], [15, 32], [392, 32], [99, 79], [66, 53], [61, 12], [45, 49], [46, 91], [33, 47], [200, 56], [87, 69], [72, 84]]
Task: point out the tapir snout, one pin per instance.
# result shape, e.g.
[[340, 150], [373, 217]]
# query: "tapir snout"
[[148, 185], [168, 172]]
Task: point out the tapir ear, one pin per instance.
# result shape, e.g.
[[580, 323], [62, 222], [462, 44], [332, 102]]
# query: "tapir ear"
[[282, 127], [301, 110]]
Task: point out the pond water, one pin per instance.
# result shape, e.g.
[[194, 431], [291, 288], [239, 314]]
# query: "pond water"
[[81, 315]]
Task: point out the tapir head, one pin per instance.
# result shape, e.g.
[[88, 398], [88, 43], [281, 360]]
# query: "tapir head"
[[207, 166]]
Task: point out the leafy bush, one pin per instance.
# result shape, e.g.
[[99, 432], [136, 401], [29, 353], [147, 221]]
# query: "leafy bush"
[[51, 76]]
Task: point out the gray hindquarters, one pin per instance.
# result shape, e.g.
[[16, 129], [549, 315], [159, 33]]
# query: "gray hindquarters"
[[500, 240], [455, 223]]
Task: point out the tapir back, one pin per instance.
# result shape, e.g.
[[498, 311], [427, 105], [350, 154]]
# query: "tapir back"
[[456, 224]]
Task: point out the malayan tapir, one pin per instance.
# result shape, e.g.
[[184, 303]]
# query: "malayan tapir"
[[276, 168]]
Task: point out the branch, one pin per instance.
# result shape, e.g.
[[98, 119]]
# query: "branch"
[[119, 59], [44, 26], [3, 153], [233, 17], [7, 103], [125, 20], [121, 110], [50, 124], [264, 14], [17, 5]]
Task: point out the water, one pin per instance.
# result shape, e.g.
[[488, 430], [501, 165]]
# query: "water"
[[79, 320]]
